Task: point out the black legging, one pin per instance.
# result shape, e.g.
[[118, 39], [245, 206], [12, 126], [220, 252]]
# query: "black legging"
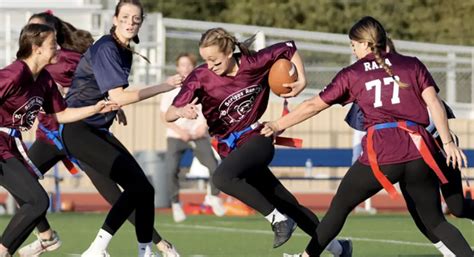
[[102, 151], [359, 183], [453, 196], [31, 197], [45, 155], [244, 174]]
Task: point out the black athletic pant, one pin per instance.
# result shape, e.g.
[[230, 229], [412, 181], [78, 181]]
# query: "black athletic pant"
[[244, 174], [45, 155], [31, 197], [359, 183], [102, 151], [453, 195]]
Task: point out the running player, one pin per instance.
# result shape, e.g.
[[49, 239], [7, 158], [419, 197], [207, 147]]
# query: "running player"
[[452, 192], [102, 73], [233, 90], [392, 91], [48, 149], [25, 88]]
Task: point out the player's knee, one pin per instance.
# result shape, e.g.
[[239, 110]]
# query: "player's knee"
[[40, 204], [220, 180]]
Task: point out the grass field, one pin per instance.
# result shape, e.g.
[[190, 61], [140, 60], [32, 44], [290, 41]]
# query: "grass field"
[[209, 236]]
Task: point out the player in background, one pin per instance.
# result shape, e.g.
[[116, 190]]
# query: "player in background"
[[184, 134]]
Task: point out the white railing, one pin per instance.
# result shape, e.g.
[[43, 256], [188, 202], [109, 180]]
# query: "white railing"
[[324, 53]]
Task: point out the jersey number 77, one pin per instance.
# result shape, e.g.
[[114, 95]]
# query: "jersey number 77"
[[377, 83]]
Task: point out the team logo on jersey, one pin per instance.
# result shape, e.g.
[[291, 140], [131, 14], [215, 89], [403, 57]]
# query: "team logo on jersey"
[[25, 116], [236, 106]]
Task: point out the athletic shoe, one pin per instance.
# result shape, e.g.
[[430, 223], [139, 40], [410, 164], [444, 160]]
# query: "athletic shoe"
[[39, 246], [169, 251], [95, 253], [346, 247], [216, 204], [293, 255], [283, 231], [178, 213]]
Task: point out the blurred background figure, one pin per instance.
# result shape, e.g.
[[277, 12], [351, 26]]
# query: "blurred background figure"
[[184, 134]]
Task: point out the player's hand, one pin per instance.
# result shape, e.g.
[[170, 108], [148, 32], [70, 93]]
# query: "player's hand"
[[454, 155], [270, 128], [105, 106], [120, 117], [189, 111], [175, 80], [296, 88]]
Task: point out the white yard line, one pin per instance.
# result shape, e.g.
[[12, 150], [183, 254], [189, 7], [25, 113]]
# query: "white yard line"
[[268, 232]]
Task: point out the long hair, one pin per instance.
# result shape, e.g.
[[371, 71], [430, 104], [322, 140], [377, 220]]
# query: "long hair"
[[67, 36], [135, 39], [32, 34], [225, 41], [371, 31]]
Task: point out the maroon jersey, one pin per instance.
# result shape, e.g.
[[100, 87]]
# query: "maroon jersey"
[[381, 100], [229, 103], [21, 99], [62, 73]]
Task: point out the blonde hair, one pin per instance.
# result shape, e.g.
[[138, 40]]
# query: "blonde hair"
[[371, 31], [225, 42]]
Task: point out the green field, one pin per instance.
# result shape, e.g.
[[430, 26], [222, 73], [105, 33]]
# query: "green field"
[[209, 236]]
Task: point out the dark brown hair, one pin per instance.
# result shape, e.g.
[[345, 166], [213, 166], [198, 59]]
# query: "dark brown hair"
[[371, 31], [225, 41], [67, 35], [32, 34]]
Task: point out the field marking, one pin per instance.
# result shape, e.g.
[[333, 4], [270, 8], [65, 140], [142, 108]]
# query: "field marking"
[[267, 232]]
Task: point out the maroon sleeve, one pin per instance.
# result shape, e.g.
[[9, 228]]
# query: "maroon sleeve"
[[54, 101], [267, 56], [188, 91], [423, 77], [337, 92]]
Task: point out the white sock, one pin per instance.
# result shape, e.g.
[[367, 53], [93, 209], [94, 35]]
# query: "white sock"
[[144, 249], [275, 216], [334, 247], [444, 250], [101, 241]]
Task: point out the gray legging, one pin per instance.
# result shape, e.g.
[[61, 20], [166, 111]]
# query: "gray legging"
[[174, 153], [31, 197]]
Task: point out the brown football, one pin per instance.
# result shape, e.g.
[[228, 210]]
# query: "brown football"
[[282, 71]]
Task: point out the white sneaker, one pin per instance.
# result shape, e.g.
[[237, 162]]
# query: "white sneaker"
[[216, 204], [178, 213], [39, 246], [94, 253], [292, 255], [168, 250]]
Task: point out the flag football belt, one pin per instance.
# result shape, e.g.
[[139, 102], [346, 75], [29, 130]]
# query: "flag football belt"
[[417, 140], [231, 139], [287, 141], [55, 137], [15, 133]]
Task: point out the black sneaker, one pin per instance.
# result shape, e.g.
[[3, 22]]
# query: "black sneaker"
[[346, 247], [283, 231]]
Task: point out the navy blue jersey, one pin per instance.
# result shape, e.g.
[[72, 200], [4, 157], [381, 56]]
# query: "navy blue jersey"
[[104, 66]]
